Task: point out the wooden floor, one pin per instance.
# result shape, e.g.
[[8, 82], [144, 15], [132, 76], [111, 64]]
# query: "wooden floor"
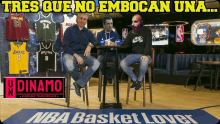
[[165, 96]]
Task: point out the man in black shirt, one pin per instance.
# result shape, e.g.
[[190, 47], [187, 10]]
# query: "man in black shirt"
[[140, 39]]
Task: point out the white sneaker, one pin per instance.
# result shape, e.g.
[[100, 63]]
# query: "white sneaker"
[[72, 86]]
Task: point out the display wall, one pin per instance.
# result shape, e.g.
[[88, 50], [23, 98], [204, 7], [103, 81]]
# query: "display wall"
[[32, 45]]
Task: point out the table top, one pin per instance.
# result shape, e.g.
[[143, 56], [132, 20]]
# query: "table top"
[[209, 62], [105, 47]]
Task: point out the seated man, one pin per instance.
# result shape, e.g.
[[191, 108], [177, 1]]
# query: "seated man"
[[140, 39], [77, 44], [109, 36]]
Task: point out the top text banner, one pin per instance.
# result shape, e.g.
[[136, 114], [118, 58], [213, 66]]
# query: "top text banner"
[[109, 6]]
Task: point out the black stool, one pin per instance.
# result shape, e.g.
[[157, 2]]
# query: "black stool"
[[137, 65], [68, 80], [109, 64], [193, 68]]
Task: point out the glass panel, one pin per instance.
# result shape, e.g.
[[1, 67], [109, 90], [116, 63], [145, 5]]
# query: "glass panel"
[[206, 32]]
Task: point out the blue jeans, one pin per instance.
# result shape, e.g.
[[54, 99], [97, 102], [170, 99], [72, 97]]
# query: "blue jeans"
[[112, 70], [134, 58], [70, 65]]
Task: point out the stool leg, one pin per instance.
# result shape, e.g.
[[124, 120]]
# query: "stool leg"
[[87, 99], [100, 88], [200, 83], [136, 73], [114, 85], [152, 68], [100, 84], [144, 92], [211, 78], [83, 95], [199, 78], [186, 84], [122, 76], [82, 70], [134, 95], [150, 86], [68, 90], [129, 81], [216, 83], [66, 80]]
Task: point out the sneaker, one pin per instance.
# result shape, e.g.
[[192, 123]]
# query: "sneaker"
[[74, 87], [133, 85], [138, 86], [77, 87]]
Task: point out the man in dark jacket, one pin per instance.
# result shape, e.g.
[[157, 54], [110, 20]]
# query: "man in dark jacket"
[[109, 36], [140, 39], [77, 44]]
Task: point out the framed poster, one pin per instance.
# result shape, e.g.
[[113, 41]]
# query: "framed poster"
[[179, 33], [160, 35], [206, 32]]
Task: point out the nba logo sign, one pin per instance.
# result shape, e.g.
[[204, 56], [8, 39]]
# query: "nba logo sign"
[[124, 33], [179, 33]]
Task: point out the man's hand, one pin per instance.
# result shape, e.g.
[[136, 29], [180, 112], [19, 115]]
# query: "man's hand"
[[78, 58], [145, 58], [87, 51], [111, 44]]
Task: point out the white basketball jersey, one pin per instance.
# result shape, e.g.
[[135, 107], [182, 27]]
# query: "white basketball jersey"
[[68, 21], [40, 3], [73, 6]]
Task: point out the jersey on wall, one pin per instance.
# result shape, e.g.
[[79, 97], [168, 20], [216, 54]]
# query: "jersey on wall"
[[45, 28], [46, 58], [68, 21], [18, 59], [16, 27]]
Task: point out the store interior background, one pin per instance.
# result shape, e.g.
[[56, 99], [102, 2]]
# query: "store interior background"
[[187, 47], [122, 20]]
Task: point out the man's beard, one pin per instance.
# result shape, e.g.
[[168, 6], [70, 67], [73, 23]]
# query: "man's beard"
[[135, 29]]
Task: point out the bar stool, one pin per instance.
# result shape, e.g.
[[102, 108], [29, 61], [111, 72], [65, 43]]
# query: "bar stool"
[[101, 81], [109, 64], [144, 86], [152, 70], [202, 69], [137, 65], [68, 81]]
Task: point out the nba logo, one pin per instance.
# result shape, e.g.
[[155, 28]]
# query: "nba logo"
[[124, 33], [179, 33]]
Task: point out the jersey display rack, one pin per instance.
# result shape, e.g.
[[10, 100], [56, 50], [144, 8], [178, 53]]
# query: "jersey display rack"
[[43, 34]]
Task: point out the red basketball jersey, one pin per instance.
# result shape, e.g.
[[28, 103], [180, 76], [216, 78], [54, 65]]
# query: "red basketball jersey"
[[16, 27]]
